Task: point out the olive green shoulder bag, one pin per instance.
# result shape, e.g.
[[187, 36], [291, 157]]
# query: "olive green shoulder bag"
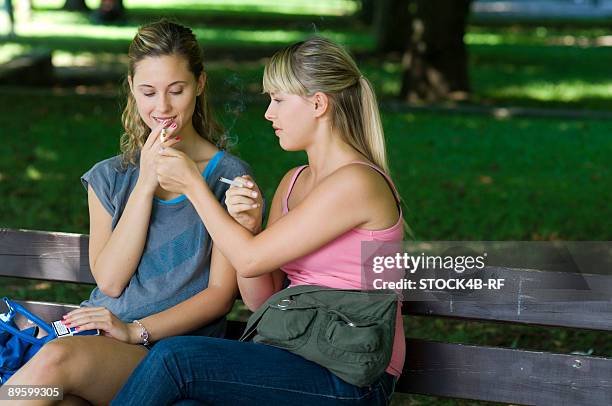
[[349, 332]]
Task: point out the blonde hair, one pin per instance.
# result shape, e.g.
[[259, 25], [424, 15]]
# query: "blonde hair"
[[160, 38], [320, 65]]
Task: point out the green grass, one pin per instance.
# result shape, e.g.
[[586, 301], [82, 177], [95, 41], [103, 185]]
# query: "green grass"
[[11, 51], [534, 178], [533, 66], [528, 75], [313, 7], [55, 26], [73, 33], [462, 177]]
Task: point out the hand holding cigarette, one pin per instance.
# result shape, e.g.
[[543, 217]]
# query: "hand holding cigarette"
[[237, 182], [244, 202], [149, 153], [167, 137]]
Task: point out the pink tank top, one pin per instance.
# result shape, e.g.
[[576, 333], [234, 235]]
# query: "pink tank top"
[[338, 265]]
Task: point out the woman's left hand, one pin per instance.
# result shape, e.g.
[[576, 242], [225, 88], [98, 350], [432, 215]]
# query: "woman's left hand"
[[90, 318], [176, 172]]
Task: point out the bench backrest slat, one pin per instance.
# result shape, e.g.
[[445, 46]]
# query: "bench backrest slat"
[[583, 300], [45, 255], [528, 296], [505, 375], [584, 315]]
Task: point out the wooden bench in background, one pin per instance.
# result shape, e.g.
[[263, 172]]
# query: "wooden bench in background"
[[432, 368], [34, 68]]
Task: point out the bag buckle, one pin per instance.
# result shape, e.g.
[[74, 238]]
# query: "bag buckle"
[[284, 304]]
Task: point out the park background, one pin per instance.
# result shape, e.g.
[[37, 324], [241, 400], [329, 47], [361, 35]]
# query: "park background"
[[503, 133]]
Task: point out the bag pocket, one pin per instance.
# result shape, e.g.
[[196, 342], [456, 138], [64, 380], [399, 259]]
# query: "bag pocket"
[[285, 328], [352, 336], [353, 350]]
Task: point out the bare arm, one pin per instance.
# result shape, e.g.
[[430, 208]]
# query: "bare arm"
[[255, 291], [323, 215], [202, 308], [114, 254]]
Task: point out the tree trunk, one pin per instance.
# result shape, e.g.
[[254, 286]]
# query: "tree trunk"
[[75, 5], [390, 24], [109, 11], [435, 62], [366, 12]]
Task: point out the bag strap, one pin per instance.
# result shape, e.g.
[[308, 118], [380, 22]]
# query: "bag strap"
[[15, 308]]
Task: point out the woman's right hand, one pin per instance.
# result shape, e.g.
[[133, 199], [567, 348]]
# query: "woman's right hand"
[[91, 318], [149, 154], [245, 204]]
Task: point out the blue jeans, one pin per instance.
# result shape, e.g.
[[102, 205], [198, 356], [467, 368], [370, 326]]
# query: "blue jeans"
[[215, 371]]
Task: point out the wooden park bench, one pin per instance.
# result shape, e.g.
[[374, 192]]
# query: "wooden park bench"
[[34, 68], [432, 368]]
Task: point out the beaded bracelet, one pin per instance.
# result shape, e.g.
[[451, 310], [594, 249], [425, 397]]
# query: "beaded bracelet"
[[144, 334]]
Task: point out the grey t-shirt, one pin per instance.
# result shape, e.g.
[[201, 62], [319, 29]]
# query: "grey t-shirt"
[[175, 262]]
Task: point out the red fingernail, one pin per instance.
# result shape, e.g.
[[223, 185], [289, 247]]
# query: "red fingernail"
[[173, 125], [77, 328]]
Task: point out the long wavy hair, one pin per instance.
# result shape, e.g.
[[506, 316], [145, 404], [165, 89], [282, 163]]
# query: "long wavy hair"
[[161, 38]]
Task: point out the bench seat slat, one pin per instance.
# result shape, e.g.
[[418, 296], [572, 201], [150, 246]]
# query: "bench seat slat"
[[505, 375], [49, 312]]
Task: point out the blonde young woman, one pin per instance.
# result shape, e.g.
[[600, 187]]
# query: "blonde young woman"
[[321, 212], [157, 271]]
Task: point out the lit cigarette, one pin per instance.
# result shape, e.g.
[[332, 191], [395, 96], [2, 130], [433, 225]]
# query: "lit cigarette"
[[230, 182]]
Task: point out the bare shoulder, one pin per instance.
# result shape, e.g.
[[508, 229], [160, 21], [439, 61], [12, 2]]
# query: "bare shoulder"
[[276, 208], [363, 180], [284, 183], [371, 189]]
